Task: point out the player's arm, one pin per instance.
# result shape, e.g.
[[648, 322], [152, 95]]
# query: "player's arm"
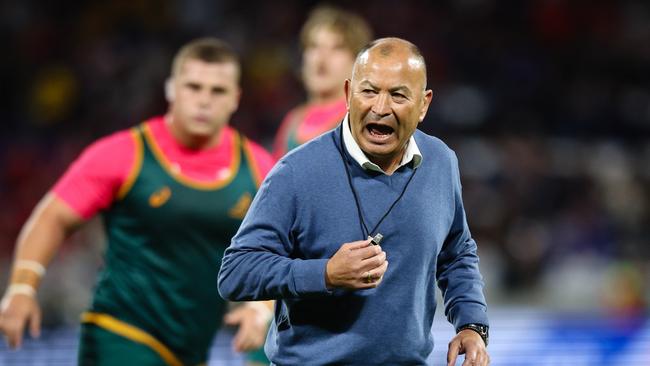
[[89, 185], [49, 224]]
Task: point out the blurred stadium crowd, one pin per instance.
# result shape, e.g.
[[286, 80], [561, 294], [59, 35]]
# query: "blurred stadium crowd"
[[546, 102]]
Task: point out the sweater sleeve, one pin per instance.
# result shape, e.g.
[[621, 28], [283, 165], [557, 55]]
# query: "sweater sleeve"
[[258, 263], [458, 273]]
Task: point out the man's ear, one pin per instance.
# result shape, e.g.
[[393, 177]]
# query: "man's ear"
[[427, 97], [169, 90], [346, 90]]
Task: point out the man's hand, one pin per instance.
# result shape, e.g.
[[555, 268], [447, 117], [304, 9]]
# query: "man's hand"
[[15, 312], [253, 320], [471, 344], [356, 265]]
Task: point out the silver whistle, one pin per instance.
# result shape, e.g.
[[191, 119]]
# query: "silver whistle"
[[377, 239]]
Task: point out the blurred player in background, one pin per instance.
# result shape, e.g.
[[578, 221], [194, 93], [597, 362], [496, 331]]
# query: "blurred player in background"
[[172, 192], [331, 39]]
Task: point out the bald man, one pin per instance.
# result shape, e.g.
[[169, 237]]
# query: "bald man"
[[306, 240]]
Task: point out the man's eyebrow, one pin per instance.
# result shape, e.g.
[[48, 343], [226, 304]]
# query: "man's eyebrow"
[[367, 83], [404, 89], [401, 88]]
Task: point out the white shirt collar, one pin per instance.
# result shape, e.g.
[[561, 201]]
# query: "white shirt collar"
[[412, 152]]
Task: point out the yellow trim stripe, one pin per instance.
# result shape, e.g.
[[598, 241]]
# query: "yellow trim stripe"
[[255, 168], [218, 183], [133, 333], [137, 165]]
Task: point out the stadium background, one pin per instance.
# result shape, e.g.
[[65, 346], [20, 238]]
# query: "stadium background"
[[546, 102]]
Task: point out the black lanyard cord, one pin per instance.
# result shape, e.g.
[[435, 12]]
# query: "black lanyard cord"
[[364, 227]]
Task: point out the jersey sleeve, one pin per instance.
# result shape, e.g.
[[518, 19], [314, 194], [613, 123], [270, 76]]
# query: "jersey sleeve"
[[280, 143], [92, 182]]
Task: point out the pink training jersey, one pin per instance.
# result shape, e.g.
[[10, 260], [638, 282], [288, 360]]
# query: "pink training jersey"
[[303, 123], [92, 182]]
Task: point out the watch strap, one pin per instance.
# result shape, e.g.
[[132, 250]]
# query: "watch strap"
[[481, 329]]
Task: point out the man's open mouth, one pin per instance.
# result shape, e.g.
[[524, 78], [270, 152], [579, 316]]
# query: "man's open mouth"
[[379, 130]]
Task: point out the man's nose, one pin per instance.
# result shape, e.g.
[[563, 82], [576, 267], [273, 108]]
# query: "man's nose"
[[204, 98], [381, 105]]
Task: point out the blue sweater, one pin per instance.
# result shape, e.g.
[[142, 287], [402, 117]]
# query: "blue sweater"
[[305, 211]]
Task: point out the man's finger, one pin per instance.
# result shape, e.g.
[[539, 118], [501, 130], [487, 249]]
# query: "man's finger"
[[375, 261], [15, 336], [378, 273], [241, 342], [368, 252], [35, 324], [452, 353], [239, 338], [358, 244], [470, 358], [17, 341], [236, 342], [481, 359], [233, 318]]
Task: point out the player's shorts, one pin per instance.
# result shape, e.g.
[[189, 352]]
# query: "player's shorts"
[[99, 347], [121, 346]]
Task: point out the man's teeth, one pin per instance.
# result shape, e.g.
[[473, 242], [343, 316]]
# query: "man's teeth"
[[380, 130]]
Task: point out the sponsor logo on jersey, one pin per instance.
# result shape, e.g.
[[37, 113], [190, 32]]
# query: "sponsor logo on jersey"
[[238, 211], [160, 197]]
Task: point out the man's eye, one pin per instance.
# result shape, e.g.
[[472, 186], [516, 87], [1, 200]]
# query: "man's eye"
[[368, 91]]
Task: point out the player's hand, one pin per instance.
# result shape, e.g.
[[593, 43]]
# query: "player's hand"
[[253, 322], [471, 344], [15, 312], [356, 265]]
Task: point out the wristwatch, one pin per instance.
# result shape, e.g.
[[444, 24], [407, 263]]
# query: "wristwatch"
[[481, 329]]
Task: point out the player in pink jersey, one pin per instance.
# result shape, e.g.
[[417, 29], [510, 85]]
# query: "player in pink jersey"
[[192, 150], [330, 38]]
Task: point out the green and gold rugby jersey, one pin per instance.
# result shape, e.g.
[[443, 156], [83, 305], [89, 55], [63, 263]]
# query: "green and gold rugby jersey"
[[166, 238]]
